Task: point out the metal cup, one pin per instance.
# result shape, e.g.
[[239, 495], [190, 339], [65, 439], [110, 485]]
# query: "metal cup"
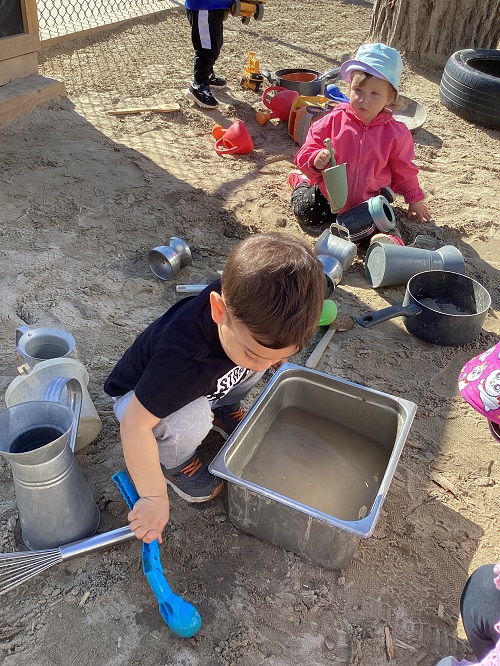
[[164, 261], [332, 268], [182, 248]]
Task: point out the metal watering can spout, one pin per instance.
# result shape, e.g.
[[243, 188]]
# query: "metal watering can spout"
[[38, 438]]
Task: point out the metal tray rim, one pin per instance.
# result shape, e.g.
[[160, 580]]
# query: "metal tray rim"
[[364, 527]]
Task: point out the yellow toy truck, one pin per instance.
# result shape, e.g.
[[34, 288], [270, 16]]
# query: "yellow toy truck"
[[248, 9]]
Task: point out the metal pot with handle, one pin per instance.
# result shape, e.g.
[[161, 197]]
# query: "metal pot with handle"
[[307, 82], [441, 307]]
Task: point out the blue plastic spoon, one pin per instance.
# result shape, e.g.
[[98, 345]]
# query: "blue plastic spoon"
[[181, 617]]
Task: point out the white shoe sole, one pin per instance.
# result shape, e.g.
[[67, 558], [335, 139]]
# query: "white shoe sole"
[[190, 96], [190, 498]]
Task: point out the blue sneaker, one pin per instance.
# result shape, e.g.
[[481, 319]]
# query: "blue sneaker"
[[227, 419], [192, 481]]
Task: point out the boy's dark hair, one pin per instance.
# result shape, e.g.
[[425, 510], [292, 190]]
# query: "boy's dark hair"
[[274, 285]]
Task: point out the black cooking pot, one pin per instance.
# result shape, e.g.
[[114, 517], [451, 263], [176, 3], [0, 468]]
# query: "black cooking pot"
[[307, 82], [441, 307]]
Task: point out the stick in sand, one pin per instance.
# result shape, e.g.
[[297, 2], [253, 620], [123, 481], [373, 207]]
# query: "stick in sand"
[[342, 323], [167, 108]]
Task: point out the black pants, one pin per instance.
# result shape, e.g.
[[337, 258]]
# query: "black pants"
[[480, 609], [207, 37], [310, 206]]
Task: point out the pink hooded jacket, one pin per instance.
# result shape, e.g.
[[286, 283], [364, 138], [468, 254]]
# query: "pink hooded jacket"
[[378, 155]]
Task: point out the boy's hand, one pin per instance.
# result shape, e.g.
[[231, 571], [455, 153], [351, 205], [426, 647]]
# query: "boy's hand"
[[148, 517], [322, 160], [420, 210]]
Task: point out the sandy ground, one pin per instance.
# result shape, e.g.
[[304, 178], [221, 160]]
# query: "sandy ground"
[[83, 198]]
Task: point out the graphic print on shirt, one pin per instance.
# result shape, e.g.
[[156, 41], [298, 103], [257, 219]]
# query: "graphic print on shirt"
[[227, 381]]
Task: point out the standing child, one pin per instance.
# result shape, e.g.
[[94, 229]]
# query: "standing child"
[[206, 18], [202, 356], [378, 150]]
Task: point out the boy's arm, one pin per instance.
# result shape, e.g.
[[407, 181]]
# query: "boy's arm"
[[140, 449]]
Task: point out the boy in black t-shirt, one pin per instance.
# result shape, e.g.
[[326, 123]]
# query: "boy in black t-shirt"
[[202, 356]]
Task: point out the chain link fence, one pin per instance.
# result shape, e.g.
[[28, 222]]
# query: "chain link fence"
[[59, 18]]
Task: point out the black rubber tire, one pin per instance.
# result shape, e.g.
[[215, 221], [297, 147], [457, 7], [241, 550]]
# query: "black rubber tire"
[[470, 86], [236, 8], [259, 12]]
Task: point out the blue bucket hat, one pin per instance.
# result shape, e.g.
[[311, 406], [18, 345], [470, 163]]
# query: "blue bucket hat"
[[378, 60]]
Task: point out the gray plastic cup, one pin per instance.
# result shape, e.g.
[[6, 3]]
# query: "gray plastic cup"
[[387, 265]]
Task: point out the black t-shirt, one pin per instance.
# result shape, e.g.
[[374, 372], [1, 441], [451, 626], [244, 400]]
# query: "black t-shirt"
[[177, 359]]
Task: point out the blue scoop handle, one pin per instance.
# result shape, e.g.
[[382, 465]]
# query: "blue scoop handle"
[[180, 616]]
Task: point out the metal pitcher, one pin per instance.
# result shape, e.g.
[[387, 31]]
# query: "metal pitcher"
[[40, 344], [343, 249], [38, 438]]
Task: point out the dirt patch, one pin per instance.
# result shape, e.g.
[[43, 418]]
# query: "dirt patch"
[[83, 198]]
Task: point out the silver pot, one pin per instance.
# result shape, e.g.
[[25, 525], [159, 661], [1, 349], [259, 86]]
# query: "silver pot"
[[307, 82]]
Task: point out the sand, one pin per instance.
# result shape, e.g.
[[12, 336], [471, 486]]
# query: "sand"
[[83, 197]]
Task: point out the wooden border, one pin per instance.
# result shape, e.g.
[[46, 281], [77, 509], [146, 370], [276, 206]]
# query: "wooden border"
[[17, 53]]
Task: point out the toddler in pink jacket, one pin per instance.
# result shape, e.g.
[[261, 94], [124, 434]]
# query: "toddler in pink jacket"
[[377, 149]]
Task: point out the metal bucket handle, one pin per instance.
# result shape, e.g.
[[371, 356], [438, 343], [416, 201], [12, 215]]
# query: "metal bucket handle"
[[342, 230], [74, 401]]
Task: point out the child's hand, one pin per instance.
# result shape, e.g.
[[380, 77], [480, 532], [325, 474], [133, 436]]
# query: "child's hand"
[[420, 210], [148, 517], [322, 160]]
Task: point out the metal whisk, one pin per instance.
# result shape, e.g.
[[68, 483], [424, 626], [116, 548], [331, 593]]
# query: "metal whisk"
[[17, 568]]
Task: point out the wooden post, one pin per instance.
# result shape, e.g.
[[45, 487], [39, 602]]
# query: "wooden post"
[[18, 49], [21, 88]]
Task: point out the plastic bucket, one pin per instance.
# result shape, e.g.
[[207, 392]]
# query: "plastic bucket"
[[31, 387]]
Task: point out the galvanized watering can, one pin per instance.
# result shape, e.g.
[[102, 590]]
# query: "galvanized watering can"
[[38, 438], [40, 344]]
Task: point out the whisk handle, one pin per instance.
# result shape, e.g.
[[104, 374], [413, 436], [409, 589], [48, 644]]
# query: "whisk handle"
[[96, 542]]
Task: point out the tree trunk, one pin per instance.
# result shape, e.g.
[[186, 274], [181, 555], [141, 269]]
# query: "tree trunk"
[[430, 31]]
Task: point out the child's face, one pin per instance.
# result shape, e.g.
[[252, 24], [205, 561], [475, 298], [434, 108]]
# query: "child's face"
[[370, 98], [240, 346]]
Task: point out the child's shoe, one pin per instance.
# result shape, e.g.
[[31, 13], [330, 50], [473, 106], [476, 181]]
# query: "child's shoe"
[[227, 419], [296, 178], [216, 81], [202, 95], [192, 481], [451, 661]]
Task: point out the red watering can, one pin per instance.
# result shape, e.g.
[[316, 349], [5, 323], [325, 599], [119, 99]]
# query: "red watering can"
[[233, 140], [280, 104]]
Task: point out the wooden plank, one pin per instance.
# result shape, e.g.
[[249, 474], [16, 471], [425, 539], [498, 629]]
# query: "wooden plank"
[[25, 94], [30, 16], [166, 108], [319, 350], [17, 68], [11, 47]]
